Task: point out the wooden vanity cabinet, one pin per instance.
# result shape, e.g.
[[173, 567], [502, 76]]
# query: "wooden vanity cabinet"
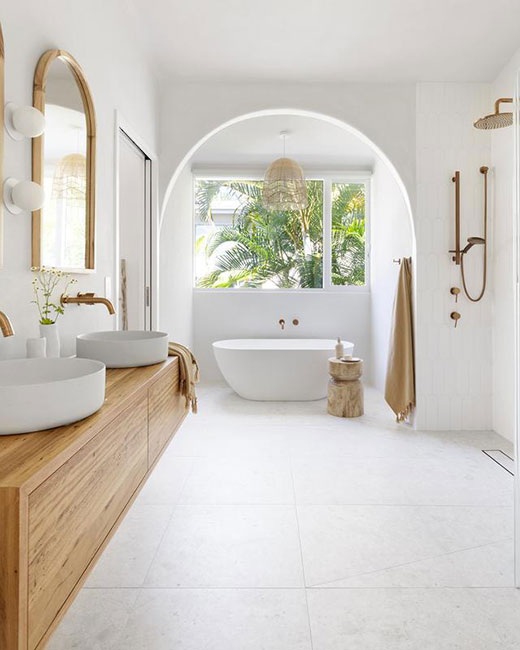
[[63, 493]]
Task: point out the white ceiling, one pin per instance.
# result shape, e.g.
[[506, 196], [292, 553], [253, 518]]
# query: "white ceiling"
[[256, 142], [327, 40]]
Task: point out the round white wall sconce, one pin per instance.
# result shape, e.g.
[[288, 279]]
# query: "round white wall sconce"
[[23, 121], [22, 196]]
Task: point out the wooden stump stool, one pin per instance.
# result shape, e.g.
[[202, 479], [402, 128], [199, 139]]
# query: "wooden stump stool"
[[345, 399]]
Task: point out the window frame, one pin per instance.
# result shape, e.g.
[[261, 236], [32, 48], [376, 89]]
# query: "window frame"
[[327, 177]]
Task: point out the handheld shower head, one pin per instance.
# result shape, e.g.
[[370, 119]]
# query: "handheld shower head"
[[496, 120], [473, 241]]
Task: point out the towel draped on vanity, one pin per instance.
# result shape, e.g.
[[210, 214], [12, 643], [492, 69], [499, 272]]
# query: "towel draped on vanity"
[[189, 373]]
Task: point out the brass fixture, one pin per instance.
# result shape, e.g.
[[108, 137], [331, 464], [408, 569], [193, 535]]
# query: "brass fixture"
[[59, 66], [295, 322], [455, 316], [281, 322], [5, 325], [496, 120], [87, 299], [457, 256], [1, 144], [455, 292], [477, 241]]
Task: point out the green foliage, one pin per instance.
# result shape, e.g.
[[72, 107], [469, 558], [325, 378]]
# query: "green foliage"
[[282, 249]]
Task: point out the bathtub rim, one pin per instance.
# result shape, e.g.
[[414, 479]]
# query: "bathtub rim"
[[276, 344]]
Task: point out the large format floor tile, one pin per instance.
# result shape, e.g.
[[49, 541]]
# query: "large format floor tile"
[[348, 545], [239, 480], [229, 546], [475, 480], [127, 558], [166, 482], [402, 538], [238, 438], [408, 619], [95, 620], [218, 619]]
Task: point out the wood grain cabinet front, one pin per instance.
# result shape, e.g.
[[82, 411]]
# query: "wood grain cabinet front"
[[166, 409], [64, 492], [73, 511]]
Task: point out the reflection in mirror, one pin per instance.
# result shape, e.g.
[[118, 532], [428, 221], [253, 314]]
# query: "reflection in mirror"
[[1, 143], [63, 221], [63, 228]]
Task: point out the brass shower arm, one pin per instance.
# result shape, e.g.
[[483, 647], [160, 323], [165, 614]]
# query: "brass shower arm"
[[502, 100]]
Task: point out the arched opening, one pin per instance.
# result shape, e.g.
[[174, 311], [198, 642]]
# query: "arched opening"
[[287, 111], [199, 317]]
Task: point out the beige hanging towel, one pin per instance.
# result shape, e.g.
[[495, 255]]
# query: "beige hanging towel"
[[400, 374], [189, 373]]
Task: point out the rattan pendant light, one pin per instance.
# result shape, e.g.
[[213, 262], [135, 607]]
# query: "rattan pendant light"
[[284, 184], [70, 179]]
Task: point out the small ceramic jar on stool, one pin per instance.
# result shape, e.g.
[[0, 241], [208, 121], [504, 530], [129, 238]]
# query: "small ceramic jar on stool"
[[345, 394]]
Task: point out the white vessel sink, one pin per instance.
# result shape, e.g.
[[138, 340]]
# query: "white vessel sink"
[[123, 349], [38, 394]]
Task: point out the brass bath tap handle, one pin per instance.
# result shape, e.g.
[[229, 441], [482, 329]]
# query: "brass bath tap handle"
[[455, 316], [281, 322], [455, 292]]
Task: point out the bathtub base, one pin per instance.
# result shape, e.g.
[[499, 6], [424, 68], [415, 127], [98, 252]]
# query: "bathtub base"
[[277, 370]]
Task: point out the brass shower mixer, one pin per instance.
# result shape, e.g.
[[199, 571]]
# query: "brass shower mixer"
[[455, 292], [455, 316]]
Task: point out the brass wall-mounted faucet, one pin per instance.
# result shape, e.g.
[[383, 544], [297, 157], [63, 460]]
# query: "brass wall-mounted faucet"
[[5, 325], [87, 299], [281, 322]]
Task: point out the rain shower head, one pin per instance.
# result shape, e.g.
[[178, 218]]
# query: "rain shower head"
[[473, 241], [496, 120]]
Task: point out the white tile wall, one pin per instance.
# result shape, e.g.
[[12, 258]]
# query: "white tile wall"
[[454, 365]]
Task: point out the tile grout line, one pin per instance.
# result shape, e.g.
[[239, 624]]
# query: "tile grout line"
[[289, 588], [323, 585], [166, 528], [301, 556]]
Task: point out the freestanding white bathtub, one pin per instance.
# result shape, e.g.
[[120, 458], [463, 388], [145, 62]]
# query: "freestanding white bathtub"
[[277, 369]]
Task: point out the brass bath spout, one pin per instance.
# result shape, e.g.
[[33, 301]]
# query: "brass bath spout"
[[5, 325], [87, 299]]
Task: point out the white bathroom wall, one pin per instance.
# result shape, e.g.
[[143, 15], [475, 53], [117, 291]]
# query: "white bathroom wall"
[[96, 33], [454, 365], [385, 113], [316, 144], [176, 255], [391, 238], [234, 314], [427, 132], [502, 258], [186, 119]]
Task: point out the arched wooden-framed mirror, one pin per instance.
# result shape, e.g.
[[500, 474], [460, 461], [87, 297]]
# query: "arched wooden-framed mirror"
[[64, 163], [2, 57]]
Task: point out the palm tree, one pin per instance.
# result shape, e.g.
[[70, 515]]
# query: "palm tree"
[[280, 249], [348, 234]]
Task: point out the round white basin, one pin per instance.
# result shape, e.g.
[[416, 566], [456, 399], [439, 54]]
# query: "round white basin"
[[38, 394], [123, 349]]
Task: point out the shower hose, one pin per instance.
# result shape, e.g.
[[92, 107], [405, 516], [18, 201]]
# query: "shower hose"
[[484, 171]]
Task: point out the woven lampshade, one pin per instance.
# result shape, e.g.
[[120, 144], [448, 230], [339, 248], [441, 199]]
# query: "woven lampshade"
[[70, 179], [284, 186]]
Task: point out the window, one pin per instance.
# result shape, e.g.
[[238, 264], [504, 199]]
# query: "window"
[[239, 244], [348, 250]]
